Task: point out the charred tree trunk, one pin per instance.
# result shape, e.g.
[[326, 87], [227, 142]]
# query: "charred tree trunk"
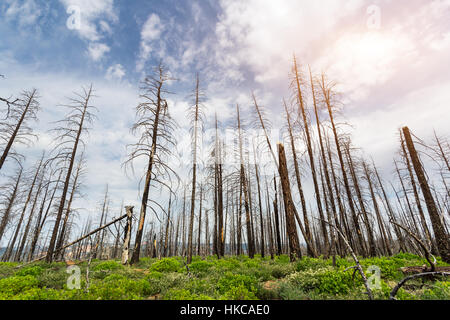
[[442, 241], [291, 230]]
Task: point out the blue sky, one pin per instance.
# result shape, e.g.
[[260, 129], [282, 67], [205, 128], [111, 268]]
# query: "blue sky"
[[391, 60]]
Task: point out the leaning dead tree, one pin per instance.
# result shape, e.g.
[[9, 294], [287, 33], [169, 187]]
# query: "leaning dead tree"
[[9, 198], [15, 129], [442, 238], [70, 133], [154, 125], [128, 215]]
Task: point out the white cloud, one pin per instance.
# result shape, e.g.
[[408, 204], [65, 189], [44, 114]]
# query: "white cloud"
[[95, 19], [151, 31], [26, 12], [91, 12], [97, 50], [116, 71]]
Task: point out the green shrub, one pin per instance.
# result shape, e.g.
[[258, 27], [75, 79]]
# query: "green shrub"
[[7, 269], [117, 287], [284, 258], [41, 294], [289, 291], [161, 282], [166, 265], [240, 292], [230, 281], [440, 291], [324, 280], [52, 279], [229, 264], [183, 294], [308, 263], [200, 267], [30, 271], [16, 284], [252, 264], [389, 268], [281, 271], [108, 266]]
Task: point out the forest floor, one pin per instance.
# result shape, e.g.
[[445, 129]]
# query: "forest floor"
[[231, 278]]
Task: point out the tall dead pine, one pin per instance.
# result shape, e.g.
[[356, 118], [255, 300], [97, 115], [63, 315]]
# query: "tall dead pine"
[[442, 239]]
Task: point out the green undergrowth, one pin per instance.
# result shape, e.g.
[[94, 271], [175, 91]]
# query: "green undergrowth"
[[229, 278]]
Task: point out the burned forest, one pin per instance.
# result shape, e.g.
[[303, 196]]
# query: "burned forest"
[[224, 150]]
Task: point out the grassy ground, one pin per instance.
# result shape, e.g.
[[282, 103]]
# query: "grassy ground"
[[232, 278]]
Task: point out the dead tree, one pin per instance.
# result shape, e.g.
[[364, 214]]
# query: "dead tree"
[[416, 194], [196, 115], [308, 237], [298, 96], [442, 241], [15, 128], [356, 186], [70, 131], [291, 230], [244, 183], [75, 188], [327, 95], [126, 241], [8, 252], [42, 217], [381, 226], [155, 125], [9, 196]]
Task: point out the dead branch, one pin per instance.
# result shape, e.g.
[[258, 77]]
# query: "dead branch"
[[415, 276]]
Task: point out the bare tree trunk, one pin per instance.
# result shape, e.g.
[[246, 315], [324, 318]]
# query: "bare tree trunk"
[[69, 204], [439, 231], [51, 247], [7, 214], [28, 106], [311, 155], [387, 248], [126, 242], [416, 197], [291, 230], [307, 235], [7, 254], [371, 237], [326, 94]]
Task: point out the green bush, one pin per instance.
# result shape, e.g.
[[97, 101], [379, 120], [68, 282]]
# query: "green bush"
[[240, 292], [52, 279], [161, 282], [108, 266], [16, 284], [324, 280], [117, 287], [41, 294], [281, 271], [183, 294], [308, 263], [200, 267], [30, 271], [289, 291], [7, 269], [389, 268], [229, 264], [230, 281], [284, 258], [166, 265], [440, 291]]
